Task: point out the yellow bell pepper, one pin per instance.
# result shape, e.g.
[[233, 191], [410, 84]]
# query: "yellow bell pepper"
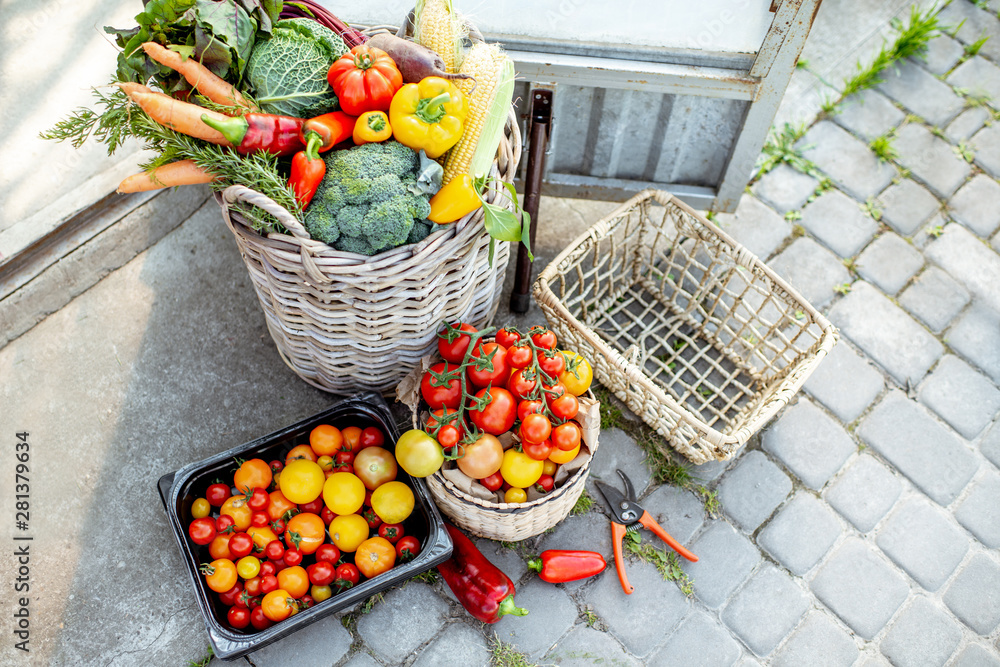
[[428, 116], [371, 127], [455, 200]]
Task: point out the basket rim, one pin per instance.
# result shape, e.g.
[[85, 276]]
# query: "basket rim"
[[543, 293]]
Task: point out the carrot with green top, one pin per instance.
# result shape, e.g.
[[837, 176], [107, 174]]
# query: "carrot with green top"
[[200, 77], [182, 172]]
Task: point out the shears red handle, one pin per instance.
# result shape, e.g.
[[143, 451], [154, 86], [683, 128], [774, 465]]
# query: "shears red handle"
[[618, 534]]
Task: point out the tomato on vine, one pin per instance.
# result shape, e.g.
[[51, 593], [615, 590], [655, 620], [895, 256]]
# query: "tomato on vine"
[[520, 355], [565, 407], [497, 412], [567, 436], [551, 363], [507, 337], [535, 428], [542, 337], [441, 386], [522, 383], [488, 364], [539, 451], [578, 374], [453, 343]]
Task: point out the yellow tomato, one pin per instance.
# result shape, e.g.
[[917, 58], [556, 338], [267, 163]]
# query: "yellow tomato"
[[515, 495], [348, 531], [301, 481], [549, 467], [520, 470], [561, 456], [248, 567], [200, 508], [320, 593], [344, 493], [325, 462], [393, 502], [578, 374], [236, 507]]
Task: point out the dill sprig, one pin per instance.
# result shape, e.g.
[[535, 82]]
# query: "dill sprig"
[[110, 127]]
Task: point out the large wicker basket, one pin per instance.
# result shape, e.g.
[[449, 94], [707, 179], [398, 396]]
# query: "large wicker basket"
[[694, 333], [346, 322]]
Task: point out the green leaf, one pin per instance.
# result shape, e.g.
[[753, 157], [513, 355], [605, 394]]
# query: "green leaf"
[[501, 224], [526, 233]]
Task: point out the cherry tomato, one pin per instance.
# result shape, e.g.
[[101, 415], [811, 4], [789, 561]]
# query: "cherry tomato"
[[515, 495], [393, 502], [539, 451], [326, 462], [545, 483], [252, 586], [371, 518], [238, 617], [295, 580], [320, 593], [536, 428], [200, 508], [277, 605], [253, 473], [248, 567], [240, 545], [522, 383], [452, 345], [236, 507], [519, 356], [231, 597], [419, 454], [268, 583], [549, 467], [448, 436], [492, 482], [488, 365], [441, 386], [278, 526], [262, 536], [279, 505], [519, 469], [220, 574], [292, 557], [561, 456], [565, 407], [259, 620], [302, 481], [407, 548], [258, 499], [375, 556], [274, 550], [552, 363], [219, 547], [525, 408], [302, 451], [352, 437], [276, 466], [344, 493], [315, 507], [371, 436], [543, 338], [375, 466], [224, 524], [348, 531], [328, 553], [391, 531], [326, 440], [344, 457], [305, 532], [217, 493], [327, 515], [499, 413], [507, 337], [268, 568], [347, 575], [567, 436], [553, 392], [322, 573], [202, 531], [578, 374], [482, 458], [259, 519], [345, 466]]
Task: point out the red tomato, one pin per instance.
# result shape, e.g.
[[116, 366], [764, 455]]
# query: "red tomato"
[[407, 548], [448, 436], [536, 428], [224, 523], [274, 550], [328, 553], [268, 567], [492, 482], [371, 437], [522, 383], [553, 392], [292, 557], [327, 514], [322, 573], [441, 386], [276, 466], [202, 531], [507, 337], [565, 407], [519, 356], [538, 450], [543, 337], [525, 408], [238, 617], [544, 484], [567, 436], [391, 531], [230, 597], [258, 499], [259, 519], [498, 415], [315, 507], [347, 576], [488, 365], [453, 345], [268, 583], [259, 620], [552, 363], [216, 494], [240, 545]]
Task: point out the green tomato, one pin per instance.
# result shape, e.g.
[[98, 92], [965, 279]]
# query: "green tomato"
[[418, 453]]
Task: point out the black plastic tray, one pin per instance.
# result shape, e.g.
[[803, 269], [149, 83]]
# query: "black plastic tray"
[[179, 489]]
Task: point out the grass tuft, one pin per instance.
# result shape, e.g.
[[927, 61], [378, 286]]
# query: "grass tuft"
[[883, 148], [204, 661], [505, 655], [666, 562], [583, 504], [780, 147]]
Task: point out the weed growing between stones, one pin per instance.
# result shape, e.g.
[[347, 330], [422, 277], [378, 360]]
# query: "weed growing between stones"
[[711, 501], [505, 655], [871, 208], [430, 576], [843, 288], [204, 661], [964, 151], [583, 504], [666, 563], [792, 216], [883, 148], [589, 617], [780, 148]]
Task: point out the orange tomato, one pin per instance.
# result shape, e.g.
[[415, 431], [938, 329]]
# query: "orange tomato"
[[277, 605], [295, 580], [374, 556], [326, 440], [562, 456], [236, 507], [301, 452], [253, 474], [352, 436], [348, 531], [308, 530], [219, 547], [220, 574], [279, 505], [261, 535]]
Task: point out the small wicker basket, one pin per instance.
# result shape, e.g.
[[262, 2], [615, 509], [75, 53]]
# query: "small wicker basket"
[[345, 322], [686, 326]]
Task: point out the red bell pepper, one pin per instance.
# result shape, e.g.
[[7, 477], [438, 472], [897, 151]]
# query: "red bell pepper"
[[558, 566], [255, 132], [332, 127], [484, 591], [308, 170]]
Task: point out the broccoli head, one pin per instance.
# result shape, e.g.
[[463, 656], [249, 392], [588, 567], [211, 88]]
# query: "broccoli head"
[[365, 203]]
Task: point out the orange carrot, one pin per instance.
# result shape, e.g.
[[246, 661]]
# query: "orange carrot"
[[182, 172], [199, 76], [130, 87], [183, 117]]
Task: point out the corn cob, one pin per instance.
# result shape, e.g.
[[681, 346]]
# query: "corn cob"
[[437, 26], [489, 102]]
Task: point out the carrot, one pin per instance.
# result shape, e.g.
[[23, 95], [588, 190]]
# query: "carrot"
[[130, 87], [183, 117], [182, 172], [199, 76]]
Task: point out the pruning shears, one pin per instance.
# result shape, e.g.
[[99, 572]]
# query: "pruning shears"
[[629, 516]]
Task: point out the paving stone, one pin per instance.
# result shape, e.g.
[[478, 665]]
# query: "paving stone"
[[930, 455], [508, 560], [931, 159], [725, 560], [317, 645], [930, 231], [974, 595], [873, 661], [618, 451], [847, 161], [979, 77], [409, 630], [977, 205], [922, 93], [942, 54], [756, 226], [990, 445], [584, 647], [973, 24], [962, 396], [838, 221], [966, 124], [845, 383], [809, 443], [818, 642], [361, 659], [766, 610], [922, 540], [785, 189], [935, 298], [459, 644], [868, 114], [889, 262], [655, 603], [679, 511], [707, 472], [698, 640], [976, 655], [976, 336], [811, 269], [986, 144], [980, 511], [551, 613], [907, 205], [969, 261], [886, 333], [922, 635], [752, 490], [801, 534], [860, 587], [864, 493]]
